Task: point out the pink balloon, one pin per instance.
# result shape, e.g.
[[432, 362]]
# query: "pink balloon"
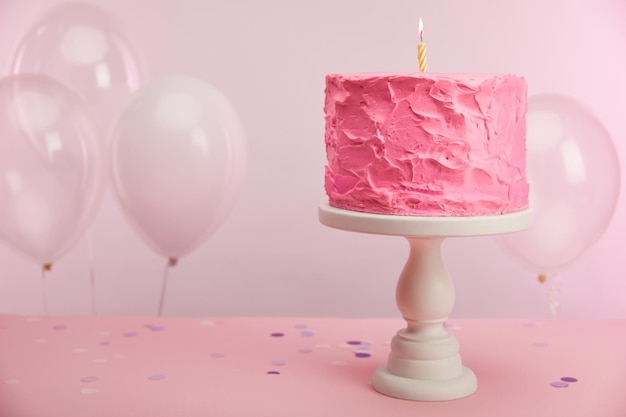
[[574, 177], [51, 175], [84, 47], [179, 159]]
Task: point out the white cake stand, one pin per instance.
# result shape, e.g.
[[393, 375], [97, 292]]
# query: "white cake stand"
[[424, 363]]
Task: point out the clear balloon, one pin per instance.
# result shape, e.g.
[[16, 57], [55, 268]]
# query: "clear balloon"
[[83, 47], [179, 161], [51, 171], [574, 176]]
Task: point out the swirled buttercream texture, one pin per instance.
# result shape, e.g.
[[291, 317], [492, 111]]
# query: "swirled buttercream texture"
[[426, 144]]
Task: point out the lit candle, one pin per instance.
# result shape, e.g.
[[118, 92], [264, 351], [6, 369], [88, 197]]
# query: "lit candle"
[[421, 49]]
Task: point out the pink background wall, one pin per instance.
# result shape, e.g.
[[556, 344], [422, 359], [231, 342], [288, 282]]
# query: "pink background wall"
[[272, 257]]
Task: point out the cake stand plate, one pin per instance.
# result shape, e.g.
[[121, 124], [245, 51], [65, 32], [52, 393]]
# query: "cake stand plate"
[[424, 363]]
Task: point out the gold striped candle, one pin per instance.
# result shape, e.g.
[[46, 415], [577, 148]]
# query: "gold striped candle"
[[421, 49]]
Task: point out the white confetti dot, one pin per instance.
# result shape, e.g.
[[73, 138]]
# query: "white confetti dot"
[[344, 346], [207, 323], [12, 381], [322, 346], [119, 356], [100, 360], [338, 363], [89, 391], [81, 350]]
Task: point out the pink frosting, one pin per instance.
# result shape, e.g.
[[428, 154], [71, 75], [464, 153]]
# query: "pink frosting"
[[426, 144]]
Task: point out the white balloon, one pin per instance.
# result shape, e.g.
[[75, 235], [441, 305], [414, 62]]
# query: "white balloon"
[[179, 159]]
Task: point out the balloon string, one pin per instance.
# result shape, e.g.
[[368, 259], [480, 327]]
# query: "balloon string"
[[170, 263], [554, 294], [44, 295], [92, 273]]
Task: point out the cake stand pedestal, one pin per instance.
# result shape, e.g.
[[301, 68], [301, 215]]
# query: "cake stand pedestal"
[[424, 363]]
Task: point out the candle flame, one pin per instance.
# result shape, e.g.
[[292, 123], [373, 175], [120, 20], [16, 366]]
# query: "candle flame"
[[421, 30]]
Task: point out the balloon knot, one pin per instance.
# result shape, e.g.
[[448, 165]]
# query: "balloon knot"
[[48, 266], [542, 278], [172, 261]]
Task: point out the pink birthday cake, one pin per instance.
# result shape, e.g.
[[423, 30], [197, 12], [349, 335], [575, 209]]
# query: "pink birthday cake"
[[426, 144]]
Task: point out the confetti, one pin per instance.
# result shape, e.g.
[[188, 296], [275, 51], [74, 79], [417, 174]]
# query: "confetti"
[[353, 342], [362, 354], [88, 391], [307, 333], [277, 334], [278, 362], [40, 340], [217, 355], [104, 343], [130, 334], [89, 379], [100, 360], [59, 327], [338, 363], [569, 379], [273, 373], [154, 327], [301, 326], [559, 384], [81, 350], [119, 356], [305, 350], [322, 346], [158, 377], [207, 323]]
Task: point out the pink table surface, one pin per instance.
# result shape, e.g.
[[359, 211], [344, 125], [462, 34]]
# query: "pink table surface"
[[273, 367]]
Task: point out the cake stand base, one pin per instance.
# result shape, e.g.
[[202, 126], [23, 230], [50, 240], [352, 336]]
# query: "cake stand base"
[[424, 363], [396, 386]]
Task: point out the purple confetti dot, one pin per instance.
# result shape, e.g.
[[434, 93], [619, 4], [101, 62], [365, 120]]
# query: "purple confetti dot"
[[279, 362], [59, 327], [130, 334], [307, 333], [154, 327], [157, 377], [353, 342], [305, 350], [217, 355], [104, 343], [362, 354], [273, 373], [89, 379], [559, 384], [277, 334], [569, 379]]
